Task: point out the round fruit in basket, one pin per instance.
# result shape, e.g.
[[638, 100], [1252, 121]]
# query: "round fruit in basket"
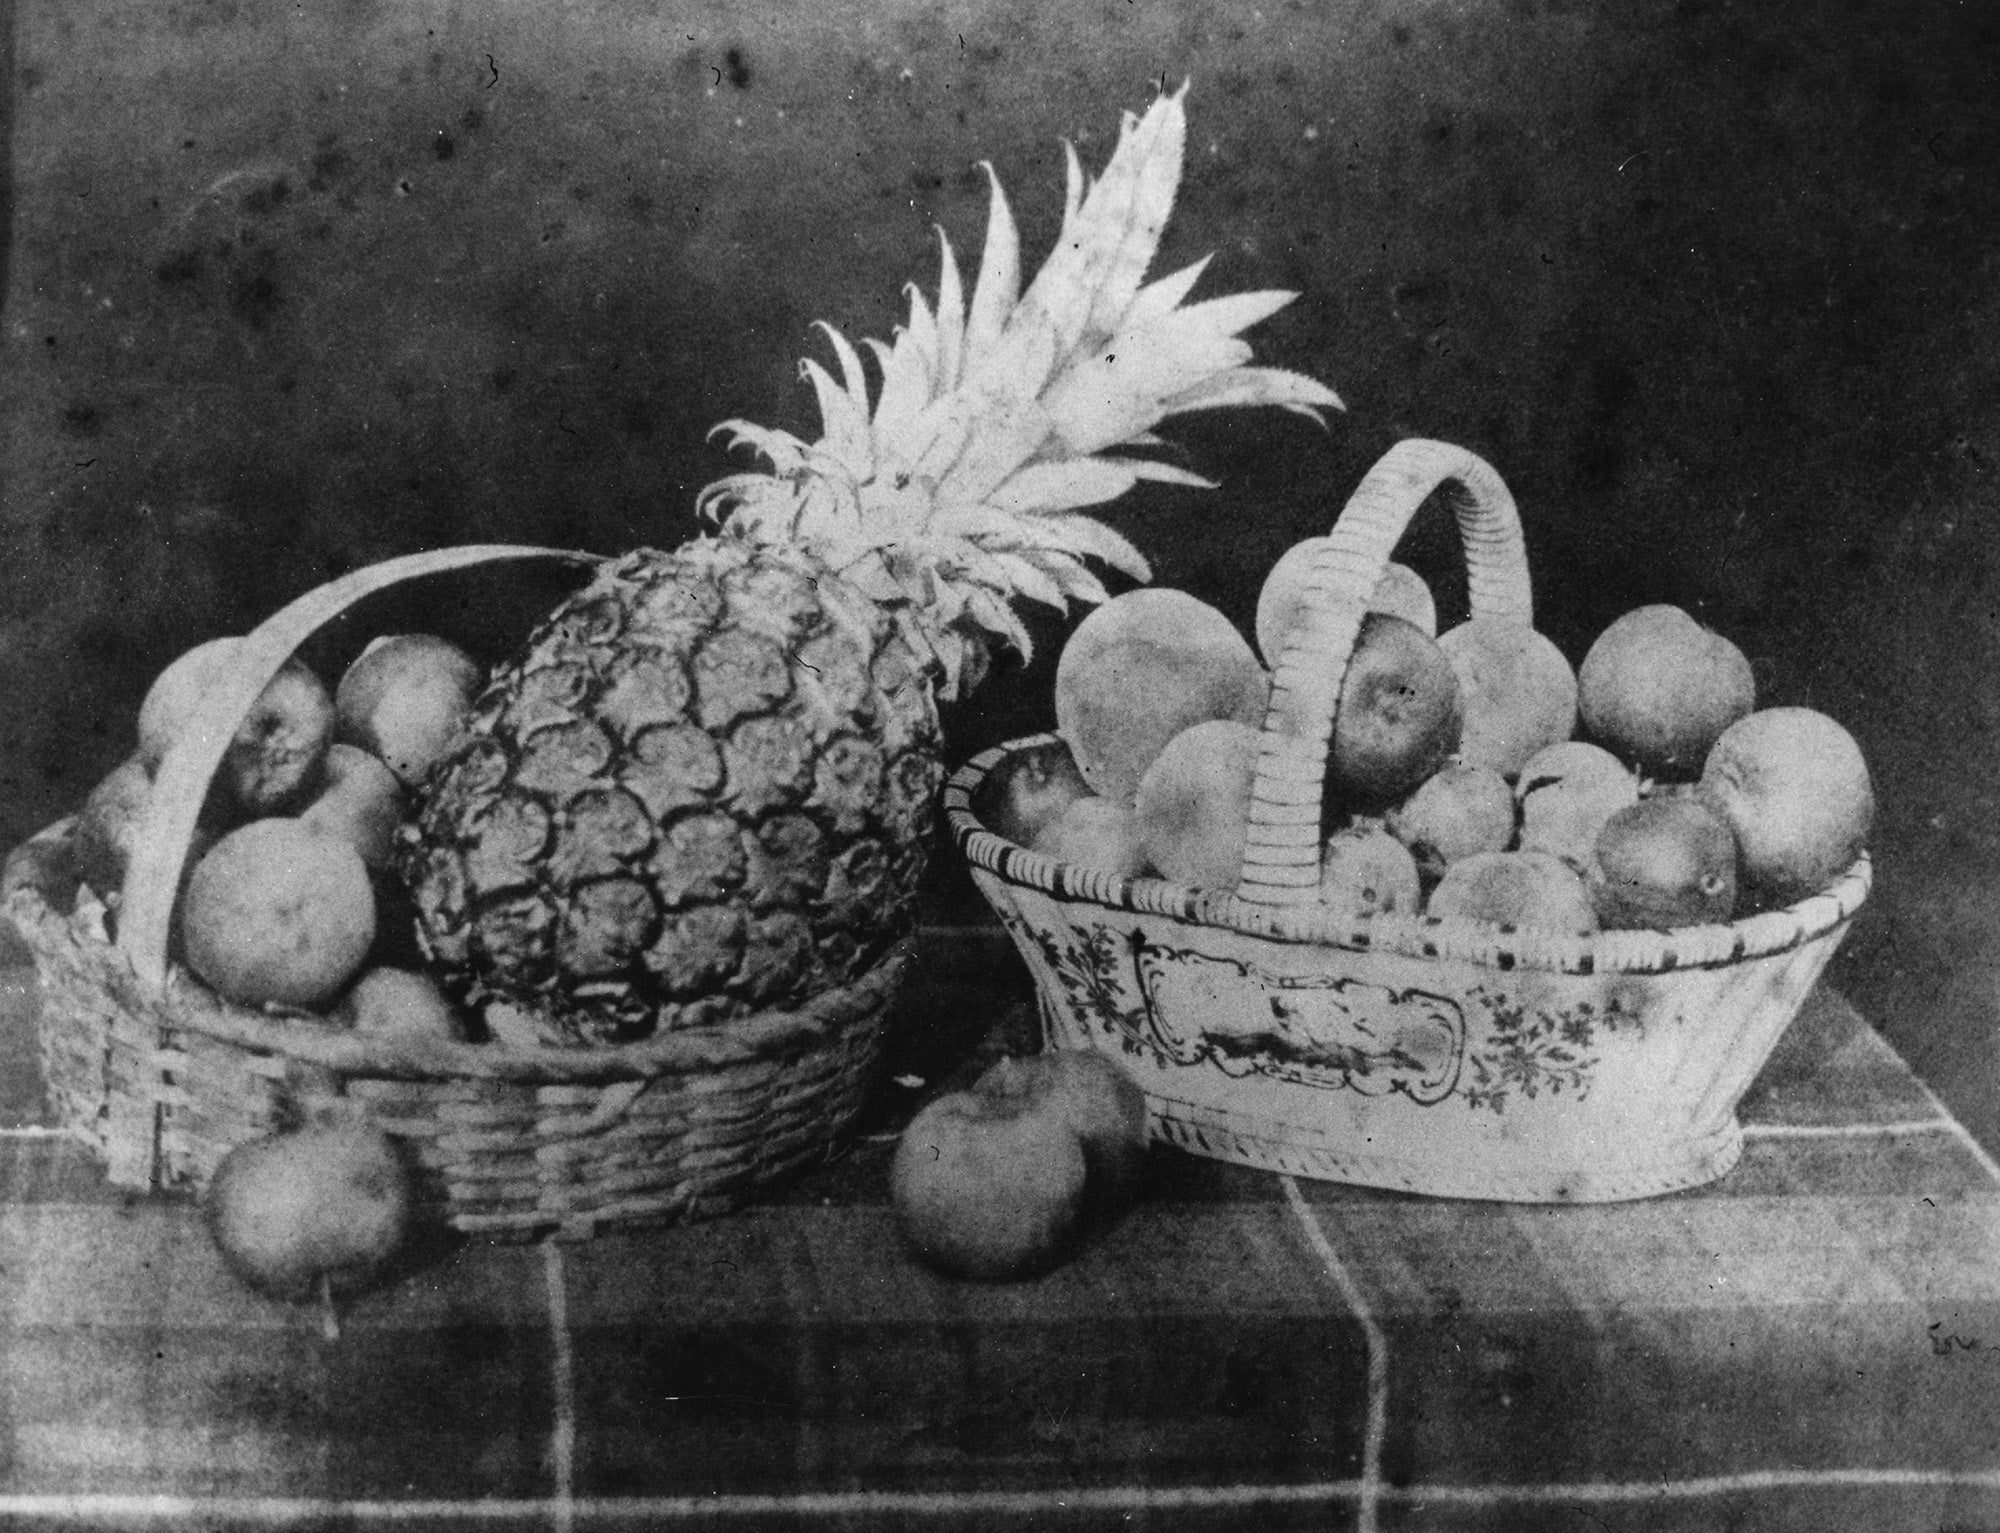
[[1666, 861], [1029, 792], [1400, 591], [1566, 793], [278, 913], [1365, 870], [1518, 690], [1098, 833], [1794, 787], [1529, 890], [1657, 689], [1194, 803], [1140, 669], [405, 699], [1399, 718], [1456, 812], [273, 760]]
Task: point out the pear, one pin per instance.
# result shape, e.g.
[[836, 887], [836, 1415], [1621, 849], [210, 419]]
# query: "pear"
[[291, 1212]]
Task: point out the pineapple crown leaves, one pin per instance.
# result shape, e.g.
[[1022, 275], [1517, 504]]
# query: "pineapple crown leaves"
[[960, 490]]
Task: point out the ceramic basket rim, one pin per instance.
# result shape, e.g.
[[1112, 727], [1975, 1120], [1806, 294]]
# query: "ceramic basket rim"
[[1502, 948]]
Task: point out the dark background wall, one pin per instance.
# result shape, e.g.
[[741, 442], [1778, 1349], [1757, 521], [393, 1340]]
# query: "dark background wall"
[[1716, 286]]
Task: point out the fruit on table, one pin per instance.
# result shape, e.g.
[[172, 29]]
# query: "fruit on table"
[[1194, 803], [989, 1185], [405, 699], [1102, 1104], [1657, 689], [400, 1003], [1098, 833], [1458, 810], [705, 785], [1664, 862], [1400, 591], [1367, 871], [1794, 787], [321, 1205], [1140, 669], [1399, 714], [278, 913], [360, 801], [1028, 790], [1529, 890], [1566, 793], [1516, 688]]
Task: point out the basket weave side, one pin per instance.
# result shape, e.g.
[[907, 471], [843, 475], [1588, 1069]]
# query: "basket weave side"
[[162, 1084]]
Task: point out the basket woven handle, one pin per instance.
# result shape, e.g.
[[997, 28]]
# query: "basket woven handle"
[[1281, 850], [152, 881]]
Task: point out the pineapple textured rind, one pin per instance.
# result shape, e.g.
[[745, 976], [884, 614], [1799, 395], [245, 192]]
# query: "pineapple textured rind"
[[705, 787]]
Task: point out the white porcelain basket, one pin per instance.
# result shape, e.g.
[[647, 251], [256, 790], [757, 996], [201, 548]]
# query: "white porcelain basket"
[[1449, 1057]]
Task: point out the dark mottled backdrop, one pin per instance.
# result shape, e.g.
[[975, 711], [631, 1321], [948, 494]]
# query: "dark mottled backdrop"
[[1716, 286]]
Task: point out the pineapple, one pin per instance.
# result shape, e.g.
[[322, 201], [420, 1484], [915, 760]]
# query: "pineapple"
[[706, 785]]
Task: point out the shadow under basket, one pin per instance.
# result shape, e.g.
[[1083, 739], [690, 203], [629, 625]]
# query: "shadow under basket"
[[1449, 1057], [160, 1077]]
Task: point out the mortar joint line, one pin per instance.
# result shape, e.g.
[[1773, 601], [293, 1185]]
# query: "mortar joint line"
[[1367, 1508]]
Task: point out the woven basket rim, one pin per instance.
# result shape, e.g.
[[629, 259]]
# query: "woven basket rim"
[[1502, 948], [308, 1040]]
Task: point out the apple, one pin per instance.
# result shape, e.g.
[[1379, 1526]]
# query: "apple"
[[1566, 793], [274, 757], [1794, 787], [404, 700], [1097, 833], [1518, 690], [327, 1205], [1101, 1102], [1400, 591], [1527, 890], [108, 826], [1365, 870], [1029, 790], [1664, 862], [1658, 689], [278, 913], [400, 1003], [1399, 717], [1455, 812], [988, 1186]]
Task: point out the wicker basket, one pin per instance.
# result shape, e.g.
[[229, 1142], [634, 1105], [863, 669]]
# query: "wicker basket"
[[1448, 1057], [161, 1077]]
